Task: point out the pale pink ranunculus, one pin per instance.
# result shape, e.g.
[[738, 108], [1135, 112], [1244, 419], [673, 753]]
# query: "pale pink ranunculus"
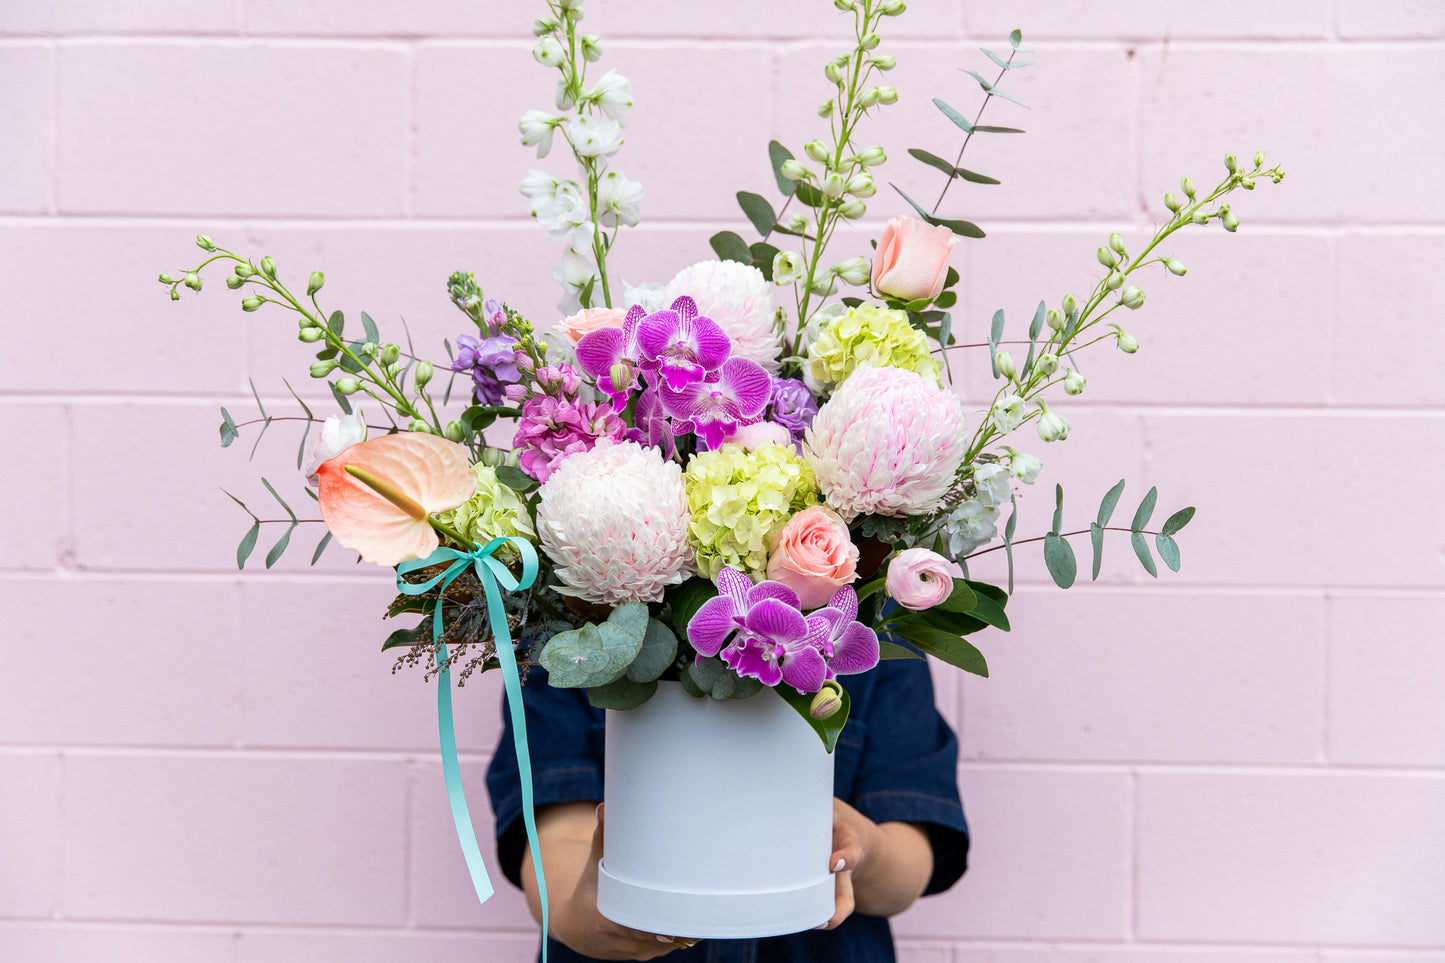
[[760, 433], [574, 326], [919, 579], [912, 260], [813, 555]]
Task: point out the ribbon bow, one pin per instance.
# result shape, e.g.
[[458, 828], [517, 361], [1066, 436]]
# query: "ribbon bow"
[[494, 576]]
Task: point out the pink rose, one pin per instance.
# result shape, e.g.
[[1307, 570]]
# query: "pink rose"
[[813, 555], [588, 320], [912, 261], [919, 579]]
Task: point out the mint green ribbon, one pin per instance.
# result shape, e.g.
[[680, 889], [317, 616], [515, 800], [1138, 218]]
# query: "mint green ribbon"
[[494, 576]]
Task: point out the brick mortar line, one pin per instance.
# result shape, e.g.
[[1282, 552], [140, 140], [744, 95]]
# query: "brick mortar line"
[[1222, 768]]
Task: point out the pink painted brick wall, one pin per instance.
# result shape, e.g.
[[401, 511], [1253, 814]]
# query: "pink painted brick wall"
[[1241, 763]]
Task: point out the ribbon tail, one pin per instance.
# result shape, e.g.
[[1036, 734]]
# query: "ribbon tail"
[[466, 834]]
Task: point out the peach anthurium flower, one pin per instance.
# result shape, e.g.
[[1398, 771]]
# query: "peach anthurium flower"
[[376, 496]]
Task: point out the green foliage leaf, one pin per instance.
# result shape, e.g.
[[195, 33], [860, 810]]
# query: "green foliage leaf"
[[759, 212], [279, 549], [1168, 551], [1111, 499], [407, 637], [827, 729], [993, 91], [763, 255], [1096, 538], [1015, 38], [659, 649], [1146, 508], [228, 429], [623, 694], [595, 655], [945, 300], [933, 160], [954, 116], [686, 599], [892, 650], [995, 332], [1141, 549], [1008, 539], [1059, 557], [730, 246], [961, 599], [990, 606], [336, 323], [1058, 509], [321, 547], [985, 129], [585, 295], [369, 326], [515, 479], [777, 153], [974, 177], [946, 647], [961, 228], [808, 194], [279, 500], [247, 544], [1177, 521], [341, 400]]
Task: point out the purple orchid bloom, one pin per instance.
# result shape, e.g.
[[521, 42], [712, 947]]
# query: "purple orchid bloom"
[[611, 351], [654, 428], [848, 646], [770, 638], [714, 408], [681, 346]]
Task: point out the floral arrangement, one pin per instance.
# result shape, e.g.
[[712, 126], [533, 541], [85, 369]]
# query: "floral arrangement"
[[752, 474]]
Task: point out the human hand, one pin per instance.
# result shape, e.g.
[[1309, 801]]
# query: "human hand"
[[854, 835], [577, 923]]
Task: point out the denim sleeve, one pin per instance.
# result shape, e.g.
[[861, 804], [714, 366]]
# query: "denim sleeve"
[[565, 736], [908, 767]]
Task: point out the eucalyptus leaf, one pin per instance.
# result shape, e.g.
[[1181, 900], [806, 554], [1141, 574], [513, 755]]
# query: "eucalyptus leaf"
[[1015, 38], [763, 255], [228, 429], [993, 91], [1096, 538], [1146, 508], [947, 299], [933, 160], [946, 647], [257, 395], [827, 729], [336, 323], [777, 154], [1177, 521], [1008, 539], [730, 246], [985, 129], [995, 332], [1168, 551], [954, 116], [759, 212], [1058, 509], [974, 177], [1111, 499], [368, 325], [321, 547], [659, 649], [279, 500], [593, 655], [622, 694], [959, 227], [247, 544], [1141, 549], [1059, 557], [279, 549], [265, 423]]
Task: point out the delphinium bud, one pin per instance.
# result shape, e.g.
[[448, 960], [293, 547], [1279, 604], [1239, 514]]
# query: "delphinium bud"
[[887, 95], [544, 26], [1231, 163], [1259, 160], [816, 150], [852, 271], [175, 295], [797, 223], [418, 425], [1004, 362], [793, 170], [1133, 298], [423, 373], [893, 8], [348, 386], [244, 270], [369, 349], [1073, 382], [861, 185], [268, 267], [1176, 268], [1125, 340], [390, 353], [234, 282], [787, 268], [591, 45], [1107, 257], [825, 109], [166, 278], [1227, 218], [455, 432], [1055, 319], [1116, 244], [870, 41], [872, 157], [885, 62], [251, 303], [314, 283], [843, 5], [321, 369], [205, 243], [192, 280], [1046, 364], [1172, 202], [834, 73], [852, 209], [310, 335], [834, 185], [1052, 426], [869, 98], [548, 52], [1199, 217], [1069, 305], [1187, 186], [1114, 281]]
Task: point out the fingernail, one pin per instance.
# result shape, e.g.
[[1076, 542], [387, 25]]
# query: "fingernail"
[[838, 866], [664, 939]]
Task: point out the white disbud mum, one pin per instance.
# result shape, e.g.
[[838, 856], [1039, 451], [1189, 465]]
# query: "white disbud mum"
[[787, 267], [548, 52], [1052, 426], [1074, 382], [852, 271]]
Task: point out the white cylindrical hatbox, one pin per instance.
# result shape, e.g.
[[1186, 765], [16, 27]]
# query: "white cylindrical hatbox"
[[719, 818]]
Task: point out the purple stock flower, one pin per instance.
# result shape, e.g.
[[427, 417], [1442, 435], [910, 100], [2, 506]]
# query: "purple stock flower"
[[848, 646], [793, 405], [491, 363], [734, 395], [551, 429], [770, 638], [680, 346]]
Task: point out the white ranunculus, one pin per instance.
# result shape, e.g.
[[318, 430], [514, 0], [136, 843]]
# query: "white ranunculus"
[[594, 138]]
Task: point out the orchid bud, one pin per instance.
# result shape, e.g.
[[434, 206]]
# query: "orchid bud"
[[591, 45], [834, 185], [315, 282], [827, 702], [1176, 268], [455, 432], [1107, 257], [321, 369], [422, 374], [1114, 281], [1125, 340], [1004, 362], [268, 267], [872, 157], [852, 209], [192, 280], [1055, 319], [884, 62], [861, 185], [887, 95], [310, 335], [1046, 364], [1074, 382], [251, 303], [348, 386], [1231, 163], [621, 375], [795, 171], [1133, 298]]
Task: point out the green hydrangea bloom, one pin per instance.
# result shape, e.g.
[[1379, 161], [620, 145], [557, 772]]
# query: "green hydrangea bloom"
[[493, 511], [739, 499], [872, 334]]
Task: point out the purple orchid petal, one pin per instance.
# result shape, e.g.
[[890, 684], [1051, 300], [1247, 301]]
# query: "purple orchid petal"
[[845, 602], [599, 350], [695, 340], [753, 658], [855, 650], [685, 307], [678, 373], [735, 585], [774, 590], [711, 624], [805, 670], [820, 630], [777, 622]]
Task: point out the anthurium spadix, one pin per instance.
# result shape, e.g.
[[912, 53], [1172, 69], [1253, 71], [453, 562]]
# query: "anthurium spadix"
[[376, 496]]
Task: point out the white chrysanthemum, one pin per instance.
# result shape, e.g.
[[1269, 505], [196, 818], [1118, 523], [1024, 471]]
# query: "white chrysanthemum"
[[740, 300], [888, 442], [613, 521]]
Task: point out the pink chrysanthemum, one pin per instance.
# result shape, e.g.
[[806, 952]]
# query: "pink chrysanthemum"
[[740, 300], [613, 521], [887, 443]]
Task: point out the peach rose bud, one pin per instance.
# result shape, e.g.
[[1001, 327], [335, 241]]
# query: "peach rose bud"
[[588, 320], [814, 556], [919, 579], [912, 260]]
